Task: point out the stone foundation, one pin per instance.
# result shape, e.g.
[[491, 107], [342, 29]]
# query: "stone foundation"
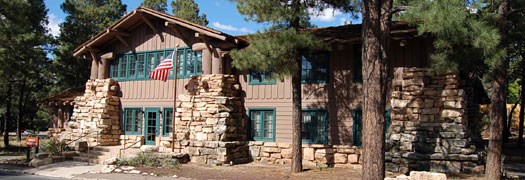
[[429, 128], [209, 122], [96, 114], [314, 155]]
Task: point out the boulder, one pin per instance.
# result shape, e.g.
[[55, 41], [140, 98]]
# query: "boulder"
[[423, 175], [181, 157], [41, 155], [110, 161], [108, 168], [149, 148], [40, 162]]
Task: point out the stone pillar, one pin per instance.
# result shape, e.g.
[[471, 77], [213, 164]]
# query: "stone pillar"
[[94, 69], [55, 117], [216, 62], [103, 69], [206, 56]]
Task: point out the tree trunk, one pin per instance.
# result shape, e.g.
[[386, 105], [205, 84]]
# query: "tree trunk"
[[376, 36], [498, 101], [297, 149], [522, 107], [509, 120], [7, 116], [20, 110]]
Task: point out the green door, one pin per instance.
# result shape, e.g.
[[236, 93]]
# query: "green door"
[[151, 131]]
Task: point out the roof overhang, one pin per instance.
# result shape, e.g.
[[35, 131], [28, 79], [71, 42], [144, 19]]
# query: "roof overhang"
[[141, 14]]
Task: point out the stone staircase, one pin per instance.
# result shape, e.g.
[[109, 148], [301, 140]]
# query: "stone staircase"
[[98, 154]]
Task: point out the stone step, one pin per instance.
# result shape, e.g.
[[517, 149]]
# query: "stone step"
[[90, 160]]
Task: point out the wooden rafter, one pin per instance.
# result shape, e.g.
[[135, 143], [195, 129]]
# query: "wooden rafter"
[[123, 41], [117, 32], [149, 23]]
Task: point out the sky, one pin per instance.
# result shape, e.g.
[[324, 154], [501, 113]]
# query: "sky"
[[221, 14]]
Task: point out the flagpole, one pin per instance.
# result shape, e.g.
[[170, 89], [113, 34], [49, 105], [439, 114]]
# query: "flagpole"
[[175, 60]]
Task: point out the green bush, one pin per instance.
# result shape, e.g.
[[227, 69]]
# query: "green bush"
[[149, 160], [54, 146]]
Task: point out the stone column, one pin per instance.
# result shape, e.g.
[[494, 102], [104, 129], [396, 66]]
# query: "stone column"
[[206, 56], [55, 117], [216, 62], [60, 114], [103, 69], [94, 69]]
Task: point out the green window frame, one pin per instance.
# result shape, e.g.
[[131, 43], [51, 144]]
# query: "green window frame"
[[262, 124], [314, 67], [314, 126], [357, 128], [357, 65], [259, 78], [190, 62], [132, 120], [138, 65], [167, 124]]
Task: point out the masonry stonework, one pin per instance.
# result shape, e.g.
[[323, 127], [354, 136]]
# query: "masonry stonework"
[[429, 124], [96, 115]]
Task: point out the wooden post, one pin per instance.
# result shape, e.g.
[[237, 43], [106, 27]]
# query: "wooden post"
[[217, 67], [94, 69], [175, 62], [103, 69]]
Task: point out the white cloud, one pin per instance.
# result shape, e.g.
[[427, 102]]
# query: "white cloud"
[[228, 27], [52, 25], [326, 15]]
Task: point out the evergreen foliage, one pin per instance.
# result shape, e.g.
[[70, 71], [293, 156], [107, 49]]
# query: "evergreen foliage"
[[188, 10], [84, 19], [158, 5]]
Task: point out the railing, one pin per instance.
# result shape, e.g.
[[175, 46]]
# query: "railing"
[[81, 137], [125, 148]]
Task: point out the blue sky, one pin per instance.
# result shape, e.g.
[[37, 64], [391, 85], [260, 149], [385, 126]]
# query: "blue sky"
[[222, 15]]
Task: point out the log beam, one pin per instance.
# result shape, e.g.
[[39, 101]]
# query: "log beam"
[[117, 32], [123, 41], [148, 22]]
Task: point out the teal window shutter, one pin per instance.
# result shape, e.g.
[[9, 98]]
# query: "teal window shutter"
[[357, 128], [167, 125]]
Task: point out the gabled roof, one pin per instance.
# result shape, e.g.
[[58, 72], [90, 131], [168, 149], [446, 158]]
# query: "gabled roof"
[[136, 16], [66, 97]]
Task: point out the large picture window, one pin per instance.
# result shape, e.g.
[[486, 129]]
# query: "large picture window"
[[138, 65], [262, 124], [168, 123], [315, 126], [315, 67], [132, 119]]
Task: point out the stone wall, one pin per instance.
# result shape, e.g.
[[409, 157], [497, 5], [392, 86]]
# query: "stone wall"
[[209, 123], [96, 114], [314, 155], [429, 124]]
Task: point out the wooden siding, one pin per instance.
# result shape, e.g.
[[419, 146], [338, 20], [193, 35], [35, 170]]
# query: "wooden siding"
[[339, 96]]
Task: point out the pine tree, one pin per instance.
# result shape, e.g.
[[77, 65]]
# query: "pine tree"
[[84, 19], [188, 10], [159, 5], [22, 59], [278, 49]]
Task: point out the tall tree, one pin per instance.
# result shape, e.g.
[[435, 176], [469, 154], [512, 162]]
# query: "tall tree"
[[278, 49], [188, 10], [159, 5], [377, 17], [22, 54], [84, 19]]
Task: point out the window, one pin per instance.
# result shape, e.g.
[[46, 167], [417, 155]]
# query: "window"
[[314, 127], [138, 66], [258, 78], [132, 119], [262, 124], [168, 123], [357, 128], [357, 65], [315, 67], [190, 63]]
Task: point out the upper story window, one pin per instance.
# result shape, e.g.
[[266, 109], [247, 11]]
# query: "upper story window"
[[315, 67], [258, 78], [138, 66], [357, 65]]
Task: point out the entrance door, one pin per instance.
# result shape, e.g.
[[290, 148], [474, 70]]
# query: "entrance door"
[[152, 125]]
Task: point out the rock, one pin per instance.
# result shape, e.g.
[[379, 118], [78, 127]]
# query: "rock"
[[423, 175], [41, 155], [110, 161], [127, 168], [286, 153], [402, 177], [353, 158], [149, 148], [134, 172], [118, 170], [69, 154], [340, 158], [108, 168], [81, 146], [308, 154], [40, 162], [181, 157]]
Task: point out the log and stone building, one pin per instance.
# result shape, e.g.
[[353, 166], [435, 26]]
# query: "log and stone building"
[[225, 115]]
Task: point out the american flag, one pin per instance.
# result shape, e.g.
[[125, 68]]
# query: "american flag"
[[162, 71]]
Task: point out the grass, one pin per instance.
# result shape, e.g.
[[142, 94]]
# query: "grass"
[[16, 148]]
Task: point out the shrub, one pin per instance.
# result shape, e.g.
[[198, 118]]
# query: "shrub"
[[54, 146], [149, 160]]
